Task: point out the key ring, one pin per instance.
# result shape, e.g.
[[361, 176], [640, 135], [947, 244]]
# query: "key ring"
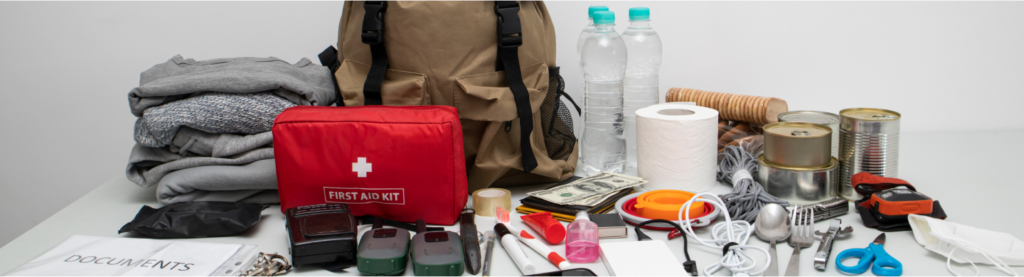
[[269, 265]]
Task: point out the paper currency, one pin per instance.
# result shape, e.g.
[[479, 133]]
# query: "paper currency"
[[594, 200], [588, 191]]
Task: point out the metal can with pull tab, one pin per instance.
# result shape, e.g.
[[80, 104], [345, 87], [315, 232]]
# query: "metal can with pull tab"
[[868, 142], [799, 185], [817, 117], [798, 144]]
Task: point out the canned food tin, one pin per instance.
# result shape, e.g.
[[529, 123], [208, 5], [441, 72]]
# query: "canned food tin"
[[799, 185], [824, 118], [869, 142], [798, 144]]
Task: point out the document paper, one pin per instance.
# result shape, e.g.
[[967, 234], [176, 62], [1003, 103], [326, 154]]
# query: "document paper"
[[87, 255]]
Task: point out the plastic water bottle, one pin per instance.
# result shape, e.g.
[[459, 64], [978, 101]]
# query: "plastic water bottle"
[[590, 27], [582, 240], [587, 31], [604, 67], [641, 83]]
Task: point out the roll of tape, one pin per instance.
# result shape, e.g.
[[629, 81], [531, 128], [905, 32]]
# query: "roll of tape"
[[486, 200]]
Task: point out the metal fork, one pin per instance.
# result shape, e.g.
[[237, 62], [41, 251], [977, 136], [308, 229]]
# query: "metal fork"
[[803, 237]]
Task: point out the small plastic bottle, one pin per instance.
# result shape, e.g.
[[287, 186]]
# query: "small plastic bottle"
[[581, 244]]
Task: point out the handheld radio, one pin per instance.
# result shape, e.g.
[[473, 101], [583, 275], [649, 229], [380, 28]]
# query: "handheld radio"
[[324, 233], [436, 253], [383, 251]]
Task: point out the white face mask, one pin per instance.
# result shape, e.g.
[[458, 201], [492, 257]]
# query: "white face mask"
[[969, 244]]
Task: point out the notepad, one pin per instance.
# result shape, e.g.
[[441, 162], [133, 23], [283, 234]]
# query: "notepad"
[[640, 258], [610, 226]]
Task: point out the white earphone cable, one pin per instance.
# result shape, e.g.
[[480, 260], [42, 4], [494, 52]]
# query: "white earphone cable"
[[733, 235]]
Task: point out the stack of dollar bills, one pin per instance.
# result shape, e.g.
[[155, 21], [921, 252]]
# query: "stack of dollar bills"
[[594, 194]]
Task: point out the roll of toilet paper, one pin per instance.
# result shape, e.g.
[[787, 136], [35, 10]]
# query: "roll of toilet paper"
[[677, 146]]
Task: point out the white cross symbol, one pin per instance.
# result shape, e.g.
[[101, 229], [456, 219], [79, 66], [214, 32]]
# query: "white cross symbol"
[[362, 167]]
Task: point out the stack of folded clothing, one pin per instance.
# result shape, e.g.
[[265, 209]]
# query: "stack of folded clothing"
[[203, 128]]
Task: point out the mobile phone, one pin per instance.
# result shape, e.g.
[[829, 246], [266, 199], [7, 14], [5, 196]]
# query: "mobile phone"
[[569, 272]]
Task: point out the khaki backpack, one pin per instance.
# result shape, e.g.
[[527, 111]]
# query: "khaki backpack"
[[450, 53]]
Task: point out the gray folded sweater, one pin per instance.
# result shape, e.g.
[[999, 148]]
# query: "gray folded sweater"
[[192, 142], [200, 166], [255, 182], [212, 112], [148, 165], [302, 83]]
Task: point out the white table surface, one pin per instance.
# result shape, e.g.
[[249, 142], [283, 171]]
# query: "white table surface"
[[973, 174]]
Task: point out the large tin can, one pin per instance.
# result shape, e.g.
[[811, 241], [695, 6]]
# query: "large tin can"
[[799, 185], [824, 118], [869, 142], [798, 144]]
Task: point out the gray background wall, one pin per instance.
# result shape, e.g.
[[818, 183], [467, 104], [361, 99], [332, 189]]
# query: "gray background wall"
[[66, 68]]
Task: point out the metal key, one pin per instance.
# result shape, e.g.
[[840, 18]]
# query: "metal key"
[[269, 265]]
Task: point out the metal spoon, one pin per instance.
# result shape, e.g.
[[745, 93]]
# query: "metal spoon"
[[772, 224]]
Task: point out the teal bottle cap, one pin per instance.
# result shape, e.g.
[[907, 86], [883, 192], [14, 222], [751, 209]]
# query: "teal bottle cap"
[[593, 9], [604, 17], [639, 13]]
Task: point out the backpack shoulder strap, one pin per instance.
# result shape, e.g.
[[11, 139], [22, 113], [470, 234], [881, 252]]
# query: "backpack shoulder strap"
[[373, 35], [329, 58], [509, 39]]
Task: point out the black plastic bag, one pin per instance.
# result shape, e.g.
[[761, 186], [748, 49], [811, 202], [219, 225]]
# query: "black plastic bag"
[[195, 219]]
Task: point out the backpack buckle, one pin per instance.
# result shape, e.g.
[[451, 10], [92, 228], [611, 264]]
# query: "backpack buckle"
[[509, 28], [373, 22]]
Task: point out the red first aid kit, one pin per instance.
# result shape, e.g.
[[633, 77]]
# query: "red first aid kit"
[[401, 163]]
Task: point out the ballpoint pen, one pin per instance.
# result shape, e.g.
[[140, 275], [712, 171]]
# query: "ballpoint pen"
[[488, 252]]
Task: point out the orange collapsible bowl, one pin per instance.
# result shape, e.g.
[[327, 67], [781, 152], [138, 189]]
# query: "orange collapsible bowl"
[[665, 204]]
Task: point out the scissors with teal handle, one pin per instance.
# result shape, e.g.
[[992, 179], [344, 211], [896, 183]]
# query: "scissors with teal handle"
[[874, 256]]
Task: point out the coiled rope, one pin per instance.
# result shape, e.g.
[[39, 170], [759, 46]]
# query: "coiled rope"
[[738, 168]]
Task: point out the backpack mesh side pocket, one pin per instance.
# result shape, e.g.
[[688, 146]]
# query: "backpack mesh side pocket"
[[556, 119]]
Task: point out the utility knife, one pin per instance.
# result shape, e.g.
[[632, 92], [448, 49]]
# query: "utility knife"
[[470, 241]]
